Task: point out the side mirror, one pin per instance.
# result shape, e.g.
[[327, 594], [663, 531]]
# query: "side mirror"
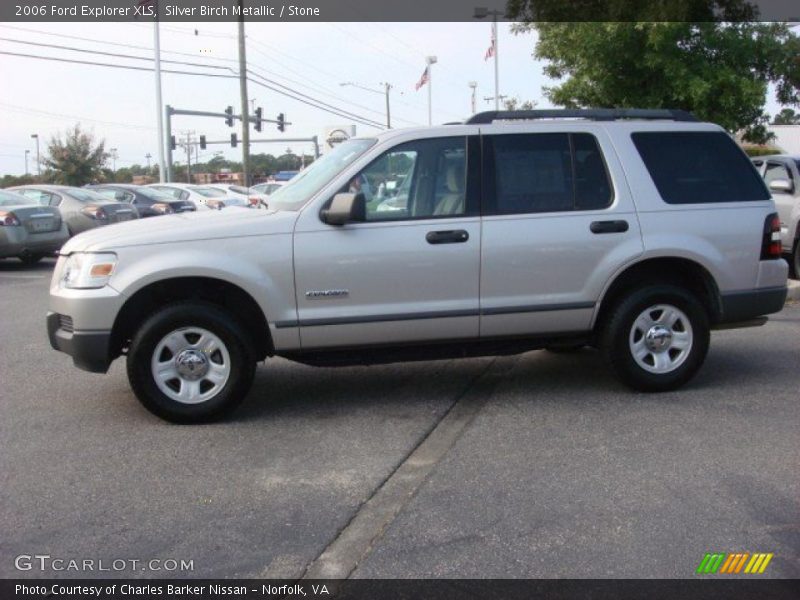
[[783, 186], [345, 208]]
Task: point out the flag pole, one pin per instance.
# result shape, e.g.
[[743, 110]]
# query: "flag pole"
[[496, 63], [430, 60]]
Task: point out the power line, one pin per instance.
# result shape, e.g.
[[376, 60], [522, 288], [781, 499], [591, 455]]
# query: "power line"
[[109, 43], [113, 54], [24, 109]]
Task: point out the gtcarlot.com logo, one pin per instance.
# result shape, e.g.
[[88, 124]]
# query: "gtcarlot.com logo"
[[734, 563], [46, 562]]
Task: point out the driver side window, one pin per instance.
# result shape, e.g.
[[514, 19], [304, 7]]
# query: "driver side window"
[[417, 180]]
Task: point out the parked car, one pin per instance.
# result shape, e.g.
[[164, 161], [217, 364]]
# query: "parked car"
[[201, 196], [268, 187], [635, 231], [149, 202], [782, 175], [81, 209], [248, 197], [28, 230]]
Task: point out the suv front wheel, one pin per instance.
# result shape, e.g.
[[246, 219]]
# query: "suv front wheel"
[[191, 362], [656, 338]]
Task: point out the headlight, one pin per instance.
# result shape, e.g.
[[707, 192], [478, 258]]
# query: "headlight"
[[88, 271]]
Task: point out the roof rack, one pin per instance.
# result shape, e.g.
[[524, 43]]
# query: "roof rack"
[[594, 114]]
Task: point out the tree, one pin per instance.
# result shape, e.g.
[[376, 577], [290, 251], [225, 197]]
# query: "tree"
[[787, 117], [515, 104], [75, 159], [718, 71]]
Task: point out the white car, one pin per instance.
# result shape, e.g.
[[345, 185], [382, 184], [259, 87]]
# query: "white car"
[[251, 198], [268, 187], [204, 197]]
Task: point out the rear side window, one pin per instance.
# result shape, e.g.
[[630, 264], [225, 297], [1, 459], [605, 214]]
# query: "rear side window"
[[547, 172], [693, 167]]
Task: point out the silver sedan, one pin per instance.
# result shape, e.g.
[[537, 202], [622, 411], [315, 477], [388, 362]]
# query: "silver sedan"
[[27, 230]]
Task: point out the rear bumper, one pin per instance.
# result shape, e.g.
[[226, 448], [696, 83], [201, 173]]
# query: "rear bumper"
[[19, 242], [748, 304], [89, 350]]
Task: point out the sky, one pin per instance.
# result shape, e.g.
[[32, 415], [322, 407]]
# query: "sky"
[[119, 105]]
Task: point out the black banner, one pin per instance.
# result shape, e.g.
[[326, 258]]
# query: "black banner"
[[733, 588], [392, 10]]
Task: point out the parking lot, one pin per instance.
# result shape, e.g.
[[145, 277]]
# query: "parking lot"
[[536, 466]]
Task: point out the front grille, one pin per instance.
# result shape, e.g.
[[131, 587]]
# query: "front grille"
[[65, 323]]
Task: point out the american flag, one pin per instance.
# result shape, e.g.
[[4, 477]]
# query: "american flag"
[[490, 51], [424, 79]]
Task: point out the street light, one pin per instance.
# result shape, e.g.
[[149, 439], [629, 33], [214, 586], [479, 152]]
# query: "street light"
[[26, 161], [38, 162], [386, 88], [482, 12]]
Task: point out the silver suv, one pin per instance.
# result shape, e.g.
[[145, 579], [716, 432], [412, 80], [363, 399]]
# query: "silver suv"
[[634, 231], [782, 174]]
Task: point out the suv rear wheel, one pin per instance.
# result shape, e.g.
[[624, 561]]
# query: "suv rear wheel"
[[656, 338], [191, 362]]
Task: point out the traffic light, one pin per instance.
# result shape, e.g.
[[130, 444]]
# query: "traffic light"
[[229, 117], [202, 142], [258, 118], [234, 140], [281, 122], [172, 142]]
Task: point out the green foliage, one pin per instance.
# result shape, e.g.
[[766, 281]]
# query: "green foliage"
[[760, 150], [787, 117], [12, 180], [75, 159], [720, 72], [516, 104]]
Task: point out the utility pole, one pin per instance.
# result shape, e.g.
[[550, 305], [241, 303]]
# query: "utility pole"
[[430, 60], [113, 153], [496, 99], [147, 156], [26, 161], [388, 87], [38, 161], [473, 86], [243, 91], [188, 147], [163, 171]]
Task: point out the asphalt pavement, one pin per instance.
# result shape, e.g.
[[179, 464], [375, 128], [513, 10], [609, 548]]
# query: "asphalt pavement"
[[533, 466]]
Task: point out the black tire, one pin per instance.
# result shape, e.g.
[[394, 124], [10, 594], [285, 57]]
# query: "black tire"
[[238, 346], [31, 259], [794, 262], [618, 334]]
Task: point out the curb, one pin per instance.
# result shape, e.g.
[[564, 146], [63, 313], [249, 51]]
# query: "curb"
[[794, 290]]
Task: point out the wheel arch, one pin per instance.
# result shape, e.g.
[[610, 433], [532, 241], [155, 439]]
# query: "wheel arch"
[[238, 302], [683, 272]]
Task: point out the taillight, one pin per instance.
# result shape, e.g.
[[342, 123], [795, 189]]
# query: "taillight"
[[8, 219], [95, 212], [771, 242]]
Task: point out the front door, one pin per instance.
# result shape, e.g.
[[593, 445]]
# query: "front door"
[[410, 271]]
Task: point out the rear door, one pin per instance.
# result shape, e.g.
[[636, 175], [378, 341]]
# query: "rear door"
[[558, 222]]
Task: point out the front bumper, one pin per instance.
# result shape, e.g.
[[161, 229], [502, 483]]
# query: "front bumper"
[[90, 350]]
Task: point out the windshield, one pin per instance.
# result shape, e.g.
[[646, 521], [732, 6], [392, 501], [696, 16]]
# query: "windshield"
[[11, 199], [82, 195], [154, 194], [209, 192], [313, 178]]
